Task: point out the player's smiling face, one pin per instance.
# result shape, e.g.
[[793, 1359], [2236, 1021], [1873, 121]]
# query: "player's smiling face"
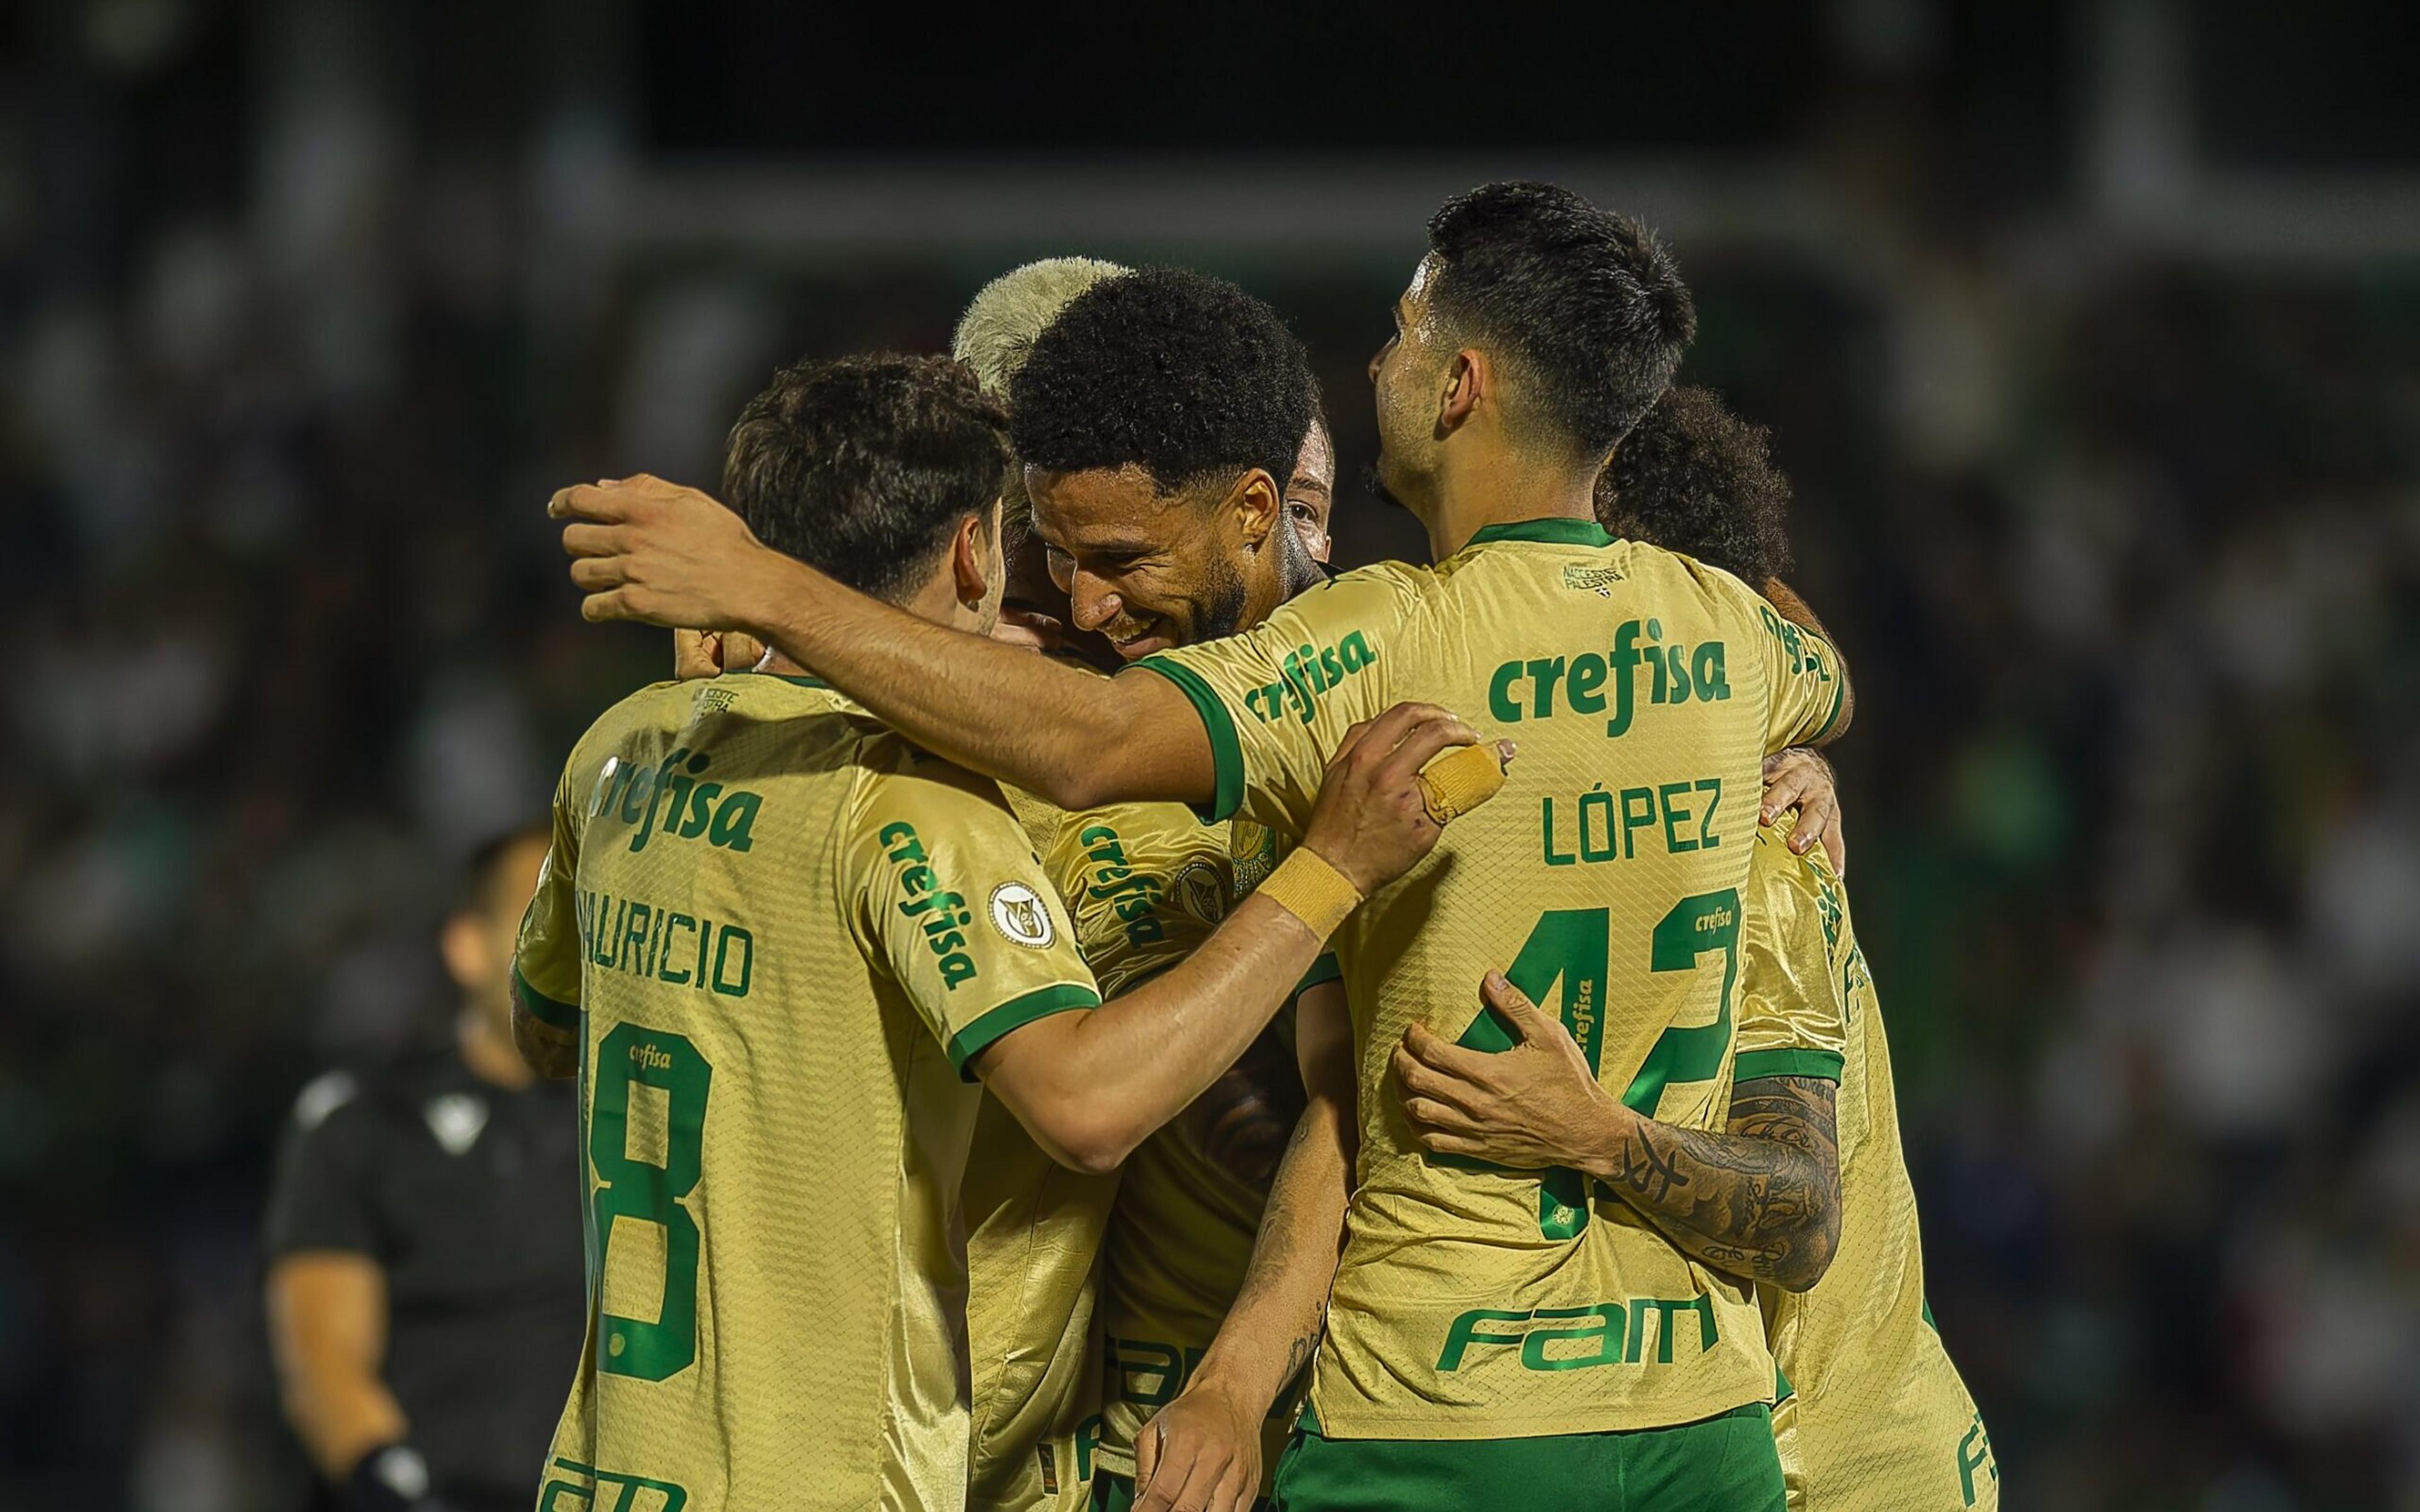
[[1145, 569]]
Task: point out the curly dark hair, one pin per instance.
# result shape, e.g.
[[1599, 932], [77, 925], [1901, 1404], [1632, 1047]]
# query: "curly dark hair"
[[863, 467], [1586, 305], [1693, 478], [1184, 375]]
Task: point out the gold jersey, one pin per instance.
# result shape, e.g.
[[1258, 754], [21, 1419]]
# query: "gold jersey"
[[782, 932], [1644, 691], [1180, 1241], [1872, 1414], [1145, 883]]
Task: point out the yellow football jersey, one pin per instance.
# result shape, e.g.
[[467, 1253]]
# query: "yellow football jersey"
[[783, 933], [1872, 1413], [1145, 883], [1644, 691], [1180, 1241]]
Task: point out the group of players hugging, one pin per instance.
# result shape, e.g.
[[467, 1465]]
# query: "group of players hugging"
[[1078, 1004]]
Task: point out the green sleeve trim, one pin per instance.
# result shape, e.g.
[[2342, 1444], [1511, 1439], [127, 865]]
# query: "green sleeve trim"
[[1755, 1065], [1226, 751], [1927, 1314], [1322, 972], [1839, 692], [540, 1006], [1013, 1015]]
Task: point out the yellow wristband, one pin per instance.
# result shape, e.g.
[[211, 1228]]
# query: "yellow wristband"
[[1460, 780], [1305, 885]]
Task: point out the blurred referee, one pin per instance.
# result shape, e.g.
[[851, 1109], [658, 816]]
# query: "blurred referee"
[[425, 1293]]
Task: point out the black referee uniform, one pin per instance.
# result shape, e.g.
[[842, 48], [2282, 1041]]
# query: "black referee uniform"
[[466, 1195]]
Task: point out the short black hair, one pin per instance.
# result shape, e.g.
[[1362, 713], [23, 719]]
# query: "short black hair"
[[1182, 375], [1586, 304], [862, 467], [1693, 478], [482, 869]]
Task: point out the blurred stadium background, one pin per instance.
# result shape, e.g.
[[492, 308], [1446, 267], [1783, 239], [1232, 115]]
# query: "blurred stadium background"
[[2090, 334]]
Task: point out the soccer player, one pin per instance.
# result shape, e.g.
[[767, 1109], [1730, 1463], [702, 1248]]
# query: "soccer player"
[[1145, 883], [1123, 378], [1872, 1412], [423, 1287], [1487, 1337], [1311, 493], [1155, 415], [774, 936], [1034, 1227]]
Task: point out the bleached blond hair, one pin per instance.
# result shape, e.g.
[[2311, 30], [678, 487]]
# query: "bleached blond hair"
[[1005, 320]]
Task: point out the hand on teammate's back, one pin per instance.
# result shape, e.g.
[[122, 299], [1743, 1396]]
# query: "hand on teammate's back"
[[643, 549], [1801, 778], [1372, 822], [1535, 1105]]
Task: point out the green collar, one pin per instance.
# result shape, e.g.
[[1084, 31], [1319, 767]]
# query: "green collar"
[[784, 677], [1558, 532]]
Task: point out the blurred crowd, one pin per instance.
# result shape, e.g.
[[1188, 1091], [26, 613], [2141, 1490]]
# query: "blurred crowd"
[[2124, 547]]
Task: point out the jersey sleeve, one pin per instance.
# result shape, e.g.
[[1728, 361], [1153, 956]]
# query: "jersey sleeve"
[[1144, 893], [1792, 1011], [1277, 699], [1804, 681], [546, 957], [320, 1197], [951, 900]]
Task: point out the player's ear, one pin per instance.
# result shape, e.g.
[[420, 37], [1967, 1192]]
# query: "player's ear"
[[975, 557], [1467, 377], [1259, 506], [463, 943]]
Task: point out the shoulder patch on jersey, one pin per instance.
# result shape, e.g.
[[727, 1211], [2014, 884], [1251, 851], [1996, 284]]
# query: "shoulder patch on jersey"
[[1201, 891], [1019, 912], [324, 1095]]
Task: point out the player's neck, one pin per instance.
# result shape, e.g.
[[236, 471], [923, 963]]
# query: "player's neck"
[[1501, 491], [1290, 570], [490, 1055]]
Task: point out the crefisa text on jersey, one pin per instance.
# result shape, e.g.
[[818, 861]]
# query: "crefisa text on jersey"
[[1676, 675], [670, 799]]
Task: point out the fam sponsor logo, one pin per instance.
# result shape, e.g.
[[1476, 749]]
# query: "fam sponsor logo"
[[1581, 1338]]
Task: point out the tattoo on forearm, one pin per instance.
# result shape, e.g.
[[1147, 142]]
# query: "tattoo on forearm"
[[1274, 1259], [1762, 1199]]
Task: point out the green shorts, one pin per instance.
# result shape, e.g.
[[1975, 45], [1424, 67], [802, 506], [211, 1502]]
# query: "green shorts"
[[1722, 1464], [1112, 1492]]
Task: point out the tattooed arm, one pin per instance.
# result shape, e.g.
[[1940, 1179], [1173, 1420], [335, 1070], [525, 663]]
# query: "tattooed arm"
[[1203, 1449], [1762, 1199]]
